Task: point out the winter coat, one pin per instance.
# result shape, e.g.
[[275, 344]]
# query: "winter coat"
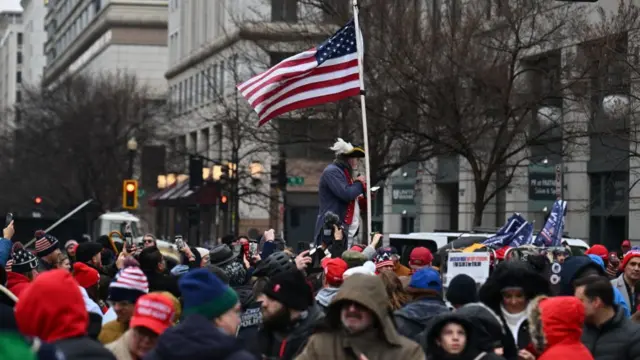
[[325, 295], [111, 332], [287, 345], [555, 325], [251, 316], [120, 347], [513, 274], [619, 284], [487, 325], [618, 297], [16, 283], [7, 318], [83, 348], [471, 350], [382, 343], [62, 320], [195, 338], [335, 194], [414, 317], [617, 339]]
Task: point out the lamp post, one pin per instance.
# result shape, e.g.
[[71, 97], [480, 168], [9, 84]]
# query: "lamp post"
[[549, 116], [132, 147]]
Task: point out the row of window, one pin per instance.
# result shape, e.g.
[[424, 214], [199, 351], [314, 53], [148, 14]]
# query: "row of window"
[[205, 86], [75, 29]]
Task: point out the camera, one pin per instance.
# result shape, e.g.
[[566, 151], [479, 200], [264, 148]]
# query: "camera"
[[330, 219]]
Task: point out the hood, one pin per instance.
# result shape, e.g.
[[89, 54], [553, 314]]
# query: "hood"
[[368, 291], [325, 295], [598, 260], [434, 350], [571, 268], [63, 315], [512, 274], [195, 338], [422, 310], [13, 279], [554, 320], [486, 323], [89, 304]]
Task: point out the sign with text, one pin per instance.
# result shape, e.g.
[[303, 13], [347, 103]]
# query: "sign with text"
[[542, 186], [475, 265], [403, 194]]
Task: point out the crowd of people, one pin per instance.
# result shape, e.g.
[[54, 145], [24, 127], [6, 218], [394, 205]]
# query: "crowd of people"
[[83, 300]]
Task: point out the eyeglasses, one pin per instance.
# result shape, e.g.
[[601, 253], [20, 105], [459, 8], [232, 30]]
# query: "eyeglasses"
[[147, 241]]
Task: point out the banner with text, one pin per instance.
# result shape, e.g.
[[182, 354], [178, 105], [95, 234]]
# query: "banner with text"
[[475, 265]]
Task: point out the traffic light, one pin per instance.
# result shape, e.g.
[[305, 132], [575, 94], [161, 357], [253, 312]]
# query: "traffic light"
[[130, 194], [37, 200], [224, 202]]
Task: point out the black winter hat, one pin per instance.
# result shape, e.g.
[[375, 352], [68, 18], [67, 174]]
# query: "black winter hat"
[[291, 289], [462, 290], [86, 251]]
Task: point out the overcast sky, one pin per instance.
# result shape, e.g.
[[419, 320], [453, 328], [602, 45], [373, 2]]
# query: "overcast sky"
[[10, 5]]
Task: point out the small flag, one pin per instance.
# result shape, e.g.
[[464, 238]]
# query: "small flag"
[[504, 236], [321, 75], [551, 234]]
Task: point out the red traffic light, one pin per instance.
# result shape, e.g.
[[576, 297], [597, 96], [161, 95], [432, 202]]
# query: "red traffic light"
[[37, 200], [130, 187], [223, 199]]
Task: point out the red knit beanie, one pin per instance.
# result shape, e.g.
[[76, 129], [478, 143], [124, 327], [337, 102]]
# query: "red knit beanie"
[[627, 257]]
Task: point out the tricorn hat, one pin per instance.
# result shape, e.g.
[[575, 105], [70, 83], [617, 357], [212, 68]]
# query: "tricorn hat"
[[343, 148]]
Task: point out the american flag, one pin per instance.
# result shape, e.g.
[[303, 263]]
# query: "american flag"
[[321, 75]]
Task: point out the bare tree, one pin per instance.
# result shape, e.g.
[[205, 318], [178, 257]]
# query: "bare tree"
[[69, 144]]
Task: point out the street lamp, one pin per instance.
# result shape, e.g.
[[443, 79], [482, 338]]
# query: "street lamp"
[[616, 106], [132, 146]]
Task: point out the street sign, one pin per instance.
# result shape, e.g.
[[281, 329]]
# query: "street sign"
[[141, 192], [558, 181], [295, 180], [403, 194]]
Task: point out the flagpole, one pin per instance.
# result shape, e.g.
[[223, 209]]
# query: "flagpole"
[[363, 105]]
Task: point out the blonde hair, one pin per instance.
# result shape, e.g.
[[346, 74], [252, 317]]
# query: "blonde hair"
[[61, 258]]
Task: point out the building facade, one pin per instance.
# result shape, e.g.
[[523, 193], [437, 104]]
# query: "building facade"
[[599, 179], [11, 62], [213, 46], [97, 36], [35, 36]]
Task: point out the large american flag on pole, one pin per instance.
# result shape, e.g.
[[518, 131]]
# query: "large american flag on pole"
[[321, 75]]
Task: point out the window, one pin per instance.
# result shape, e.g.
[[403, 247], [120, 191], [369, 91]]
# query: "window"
[[190, 96], [18, 96], [214, 81], [197, 90], [221, 79], [19, 77], [209, 82], [19, 57], [203, 82], [284, 10], [19, 38], [184, 96]]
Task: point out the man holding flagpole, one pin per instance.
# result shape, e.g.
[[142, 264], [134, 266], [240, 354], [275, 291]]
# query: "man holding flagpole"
[[340, 193]]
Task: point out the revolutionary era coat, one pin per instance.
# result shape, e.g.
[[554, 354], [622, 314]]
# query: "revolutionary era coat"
[[338, 193]]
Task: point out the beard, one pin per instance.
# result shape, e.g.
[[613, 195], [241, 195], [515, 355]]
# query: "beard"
[[278, 321]]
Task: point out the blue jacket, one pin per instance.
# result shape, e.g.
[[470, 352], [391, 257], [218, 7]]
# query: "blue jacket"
[[5, 251], [618, 299], [334, 194], [195, 338]]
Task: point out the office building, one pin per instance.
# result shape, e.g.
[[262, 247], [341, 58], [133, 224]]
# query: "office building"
[[34, 38], [11, 60], [95, 36], [600, 178], [213, 45]]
